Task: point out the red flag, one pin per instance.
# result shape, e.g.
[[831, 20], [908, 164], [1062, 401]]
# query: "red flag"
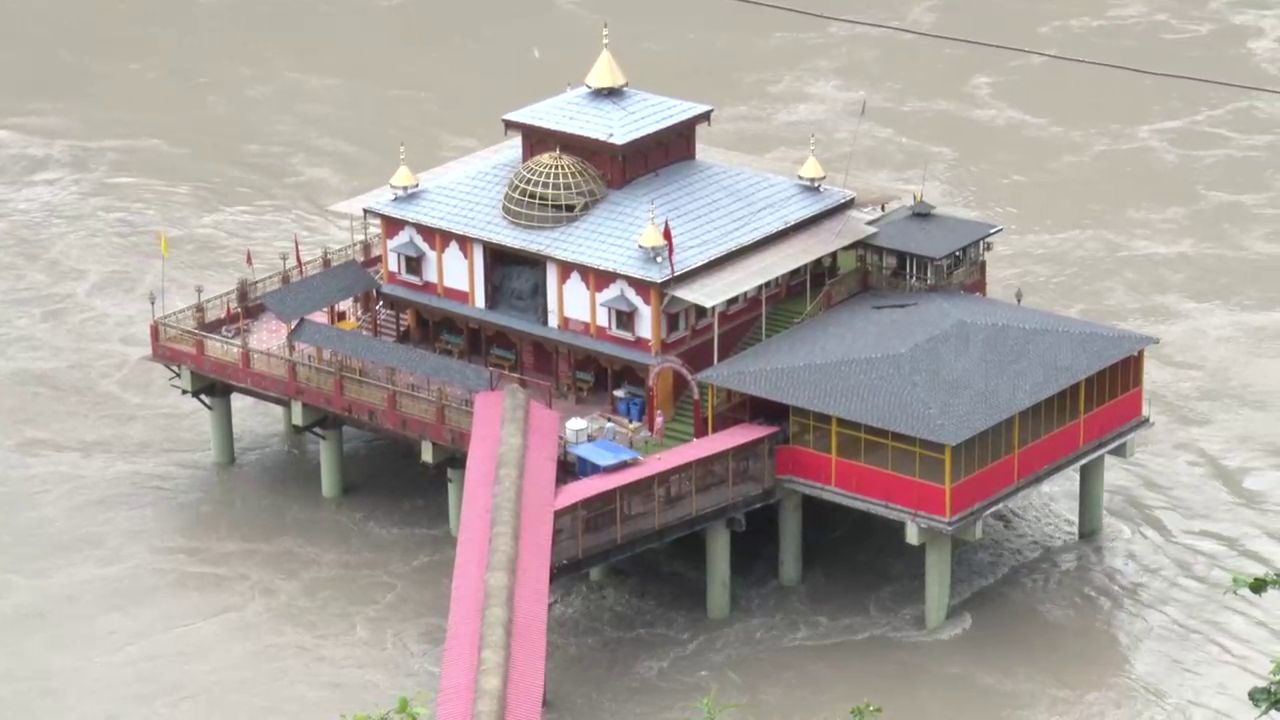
[[671, 245], [248, 258], [227, 314], [297, 253]]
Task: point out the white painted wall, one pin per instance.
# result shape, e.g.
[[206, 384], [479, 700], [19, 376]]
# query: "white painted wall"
[[428, 259], [644, 318], [553, 296], [456, 273], [477, 252], [577, 298]]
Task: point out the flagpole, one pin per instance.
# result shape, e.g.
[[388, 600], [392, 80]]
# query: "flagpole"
[[162, 310], [844, 182]]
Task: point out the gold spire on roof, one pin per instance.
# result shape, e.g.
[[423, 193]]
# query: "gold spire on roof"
[[404, 180], [651, 239], [811, 171], [605, 75]]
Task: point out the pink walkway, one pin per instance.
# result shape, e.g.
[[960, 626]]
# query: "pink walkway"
[[528, 649]]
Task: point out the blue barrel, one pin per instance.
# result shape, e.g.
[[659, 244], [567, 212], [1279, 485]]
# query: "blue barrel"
[[622, 405], [637, 410]]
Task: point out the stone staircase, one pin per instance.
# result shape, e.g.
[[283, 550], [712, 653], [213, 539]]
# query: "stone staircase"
[[679, 429]]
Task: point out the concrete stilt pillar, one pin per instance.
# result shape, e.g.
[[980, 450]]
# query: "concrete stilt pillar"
[[455, 475], [599, 573], [331, 459], [220, 430], [288, 420], [719, 581], [937, 579], [1091, 480], [790, 557]]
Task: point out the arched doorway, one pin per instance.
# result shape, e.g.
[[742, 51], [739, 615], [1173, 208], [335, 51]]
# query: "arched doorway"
[[651, 389]]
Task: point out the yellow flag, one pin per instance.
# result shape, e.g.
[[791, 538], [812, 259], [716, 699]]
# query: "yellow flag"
[[164, 245]]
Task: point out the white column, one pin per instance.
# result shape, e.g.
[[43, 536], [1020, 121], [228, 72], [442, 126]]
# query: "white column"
[[331, 459], [719, 580], [1092, 474], [937, 579], [715, 334], [222, 437], [456, 474], [790, 558]]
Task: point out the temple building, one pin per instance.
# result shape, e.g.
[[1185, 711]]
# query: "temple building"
[[659, 291]]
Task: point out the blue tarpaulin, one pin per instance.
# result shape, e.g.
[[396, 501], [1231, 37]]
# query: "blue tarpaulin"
[[600, 455]]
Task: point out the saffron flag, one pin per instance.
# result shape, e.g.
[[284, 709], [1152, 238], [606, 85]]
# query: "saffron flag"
[[248, 258], [671, 245], [226, 315], [164, 245], [297, 253]]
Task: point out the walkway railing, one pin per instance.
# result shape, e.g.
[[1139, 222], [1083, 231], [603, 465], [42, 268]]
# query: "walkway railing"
[[610, 510], [418, 397], [364, 250]]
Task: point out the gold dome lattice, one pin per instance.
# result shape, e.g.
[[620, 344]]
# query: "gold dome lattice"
[[552, 189]]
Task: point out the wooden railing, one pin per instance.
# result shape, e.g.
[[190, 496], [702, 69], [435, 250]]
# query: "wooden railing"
[[880, 278], [649, 504], [832, 293], [213, 306], [412, 396]]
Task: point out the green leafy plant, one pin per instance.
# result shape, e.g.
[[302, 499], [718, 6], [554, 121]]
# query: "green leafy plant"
[[865, 711], [708, 709], [1265, 697], [405, 709]]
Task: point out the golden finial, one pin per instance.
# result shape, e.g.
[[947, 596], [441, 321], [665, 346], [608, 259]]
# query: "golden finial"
[[811, 171], [605, 75], [404, 180], [651, 239]]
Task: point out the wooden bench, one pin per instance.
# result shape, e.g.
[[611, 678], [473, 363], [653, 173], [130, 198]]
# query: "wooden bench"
[[499, 356], [450, 343]]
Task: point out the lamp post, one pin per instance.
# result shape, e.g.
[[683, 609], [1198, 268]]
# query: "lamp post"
[[151, 298], [199, 292], [284, 262]]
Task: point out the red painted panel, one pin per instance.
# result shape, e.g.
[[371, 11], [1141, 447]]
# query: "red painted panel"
[[802, 464], [890, 488], [1048, 450], [1113, 416], [862, 481], [978, 487]]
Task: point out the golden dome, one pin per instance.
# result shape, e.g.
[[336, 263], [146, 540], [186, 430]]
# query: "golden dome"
[[404, 179], [552, 189], [811, 171], [651, 239], [605, 75]]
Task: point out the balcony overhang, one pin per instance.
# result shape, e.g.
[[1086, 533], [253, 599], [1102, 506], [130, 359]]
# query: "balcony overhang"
[[773, 258]]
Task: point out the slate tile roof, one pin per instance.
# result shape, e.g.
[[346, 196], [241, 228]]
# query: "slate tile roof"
[[714, 209], [934, 236], [418, 363], [616, 118], [937, 366], [315, 292]]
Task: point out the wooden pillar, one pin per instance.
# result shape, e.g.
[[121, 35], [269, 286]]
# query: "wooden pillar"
[[715, 334]]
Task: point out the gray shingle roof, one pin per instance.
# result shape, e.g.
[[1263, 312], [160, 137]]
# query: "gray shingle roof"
[[522, 326], [937, 366], [616, 118], [714, 209], [934, 236], [316, 292], [418, 363]]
